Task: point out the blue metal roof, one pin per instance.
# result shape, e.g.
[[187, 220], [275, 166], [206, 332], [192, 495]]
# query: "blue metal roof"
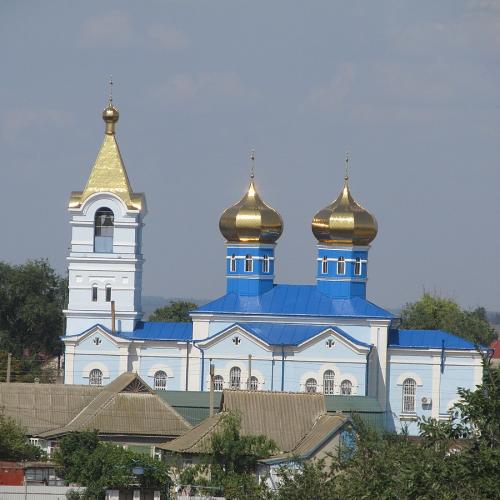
[[430, 339], [294, 300], [288, 334], [149, 330]]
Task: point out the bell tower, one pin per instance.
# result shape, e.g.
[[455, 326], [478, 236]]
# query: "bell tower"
[[105, 259]]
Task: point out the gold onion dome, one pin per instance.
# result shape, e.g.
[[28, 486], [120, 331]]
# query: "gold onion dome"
[[251, 220], [344, 222]]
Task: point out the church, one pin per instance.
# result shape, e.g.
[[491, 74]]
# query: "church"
[[324, 337]]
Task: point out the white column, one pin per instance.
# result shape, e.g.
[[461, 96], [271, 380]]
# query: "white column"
[[69, 358], [436, 386]]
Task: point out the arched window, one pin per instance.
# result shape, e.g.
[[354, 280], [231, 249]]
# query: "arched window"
[[409, 390], [218, 383], [328, 381], [248, 263], [324, 266], [108, 293], [94, 293], [103, 230], [357, 266], [265, 264], [341, 265], [235, 378], [254, 383], [346, 387], [160, 380], [95, 377], [233, 263], [311, 385]]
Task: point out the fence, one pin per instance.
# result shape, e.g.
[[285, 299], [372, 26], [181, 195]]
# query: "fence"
[[34, 492]]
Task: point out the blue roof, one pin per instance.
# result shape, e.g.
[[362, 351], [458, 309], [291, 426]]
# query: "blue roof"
[[288, 334], [149, 330], [429, 339], [294, 300]]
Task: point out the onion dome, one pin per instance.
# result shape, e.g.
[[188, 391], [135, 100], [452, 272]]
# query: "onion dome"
[[344, 222], [251, 220], [110, 116]]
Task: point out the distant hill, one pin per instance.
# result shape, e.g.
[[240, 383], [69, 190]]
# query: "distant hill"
[[150, 303]]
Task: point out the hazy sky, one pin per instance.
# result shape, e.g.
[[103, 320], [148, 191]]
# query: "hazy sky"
[[410, 88]]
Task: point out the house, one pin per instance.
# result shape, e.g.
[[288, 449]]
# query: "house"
[[126, 411]]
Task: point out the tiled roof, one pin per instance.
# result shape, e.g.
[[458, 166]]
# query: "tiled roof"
[[427, 339], [294, 300], [291, 334], [150, 330], [296, 422], [125, 406], [496, 349]]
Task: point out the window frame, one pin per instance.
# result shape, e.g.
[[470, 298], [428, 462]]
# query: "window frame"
[[248, 263], [324, 265], [265, 264], [101, 216], [341, 266], [95, 377], [311, 385], [329, 382], [409, 396], [235, 378], [346, 387], [232, 263], [358, 267], [108, 293], [160, 379], [218, 383], [95, 292]]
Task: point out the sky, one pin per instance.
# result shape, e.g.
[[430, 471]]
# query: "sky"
[[410, 89]]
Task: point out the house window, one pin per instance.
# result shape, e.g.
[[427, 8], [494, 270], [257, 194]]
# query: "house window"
[[108, 293], [324, 266], [265, 264], [160, 380], [235, 378], [341, 265], [357, 267], [328, 380], [218, 383], [94, 293], [95, 377], [311, 385], [233, 263], [346, 387], [103, 230], [254, 384], [248, 264], [409, 390]]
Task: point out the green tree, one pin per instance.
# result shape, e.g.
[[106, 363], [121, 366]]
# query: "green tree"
[[231, 460], [84, 460], [175, 312], [14, 443], [437, 313], [32, 297]]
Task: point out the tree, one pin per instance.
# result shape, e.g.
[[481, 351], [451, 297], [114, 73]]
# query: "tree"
[[231, 460], [175, 312], [14, 443], [436, 313], [32, 297], [84, 460]]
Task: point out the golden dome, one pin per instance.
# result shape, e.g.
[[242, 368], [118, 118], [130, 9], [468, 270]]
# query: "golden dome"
[[251, 220], [110, 115], [344, 222]]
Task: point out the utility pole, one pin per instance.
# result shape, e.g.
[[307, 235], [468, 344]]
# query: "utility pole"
[[211, 403], [9, 360], [249, 381]]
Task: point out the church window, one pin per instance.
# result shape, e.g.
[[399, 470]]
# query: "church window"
[[254, 384], [341, 265], [95, 377], [328, 382], [94, 293], [218, 383], [103, 230], [357, 267], [160, 380], [233, 263], [324, 266], [346, 387], [265, 264], [248, 264], [409, 390], [108, 293], [235, 377], [311, 385]]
